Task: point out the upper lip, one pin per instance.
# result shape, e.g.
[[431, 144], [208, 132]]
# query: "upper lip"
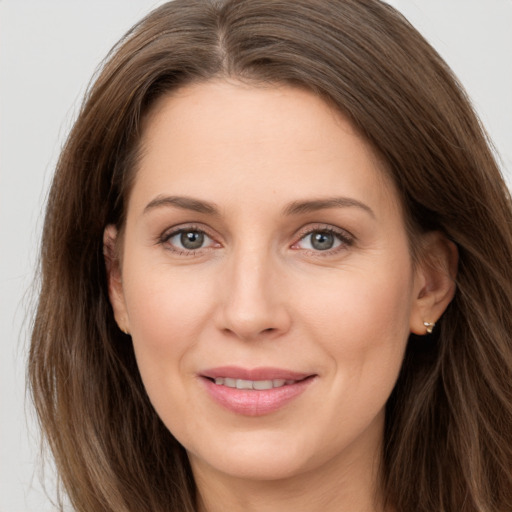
[[262, 373]]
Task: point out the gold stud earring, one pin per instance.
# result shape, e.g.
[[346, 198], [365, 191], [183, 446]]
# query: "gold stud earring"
[[429, 326]]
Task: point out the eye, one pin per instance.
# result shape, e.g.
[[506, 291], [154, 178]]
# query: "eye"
[[184, 240], [322, 240], [190, 239]]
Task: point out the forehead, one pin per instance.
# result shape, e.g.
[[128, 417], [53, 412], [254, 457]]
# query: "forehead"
[[274, 141]]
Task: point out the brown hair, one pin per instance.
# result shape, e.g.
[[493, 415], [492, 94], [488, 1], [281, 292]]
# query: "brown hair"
[[448, 434]]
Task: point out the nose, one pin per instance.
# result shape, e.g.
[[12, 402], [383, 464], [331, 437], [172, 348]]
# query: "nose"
[[254, 298]]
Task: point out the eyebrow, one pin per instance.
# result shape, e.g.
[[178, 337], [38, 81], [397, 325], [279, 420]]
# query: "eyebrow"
[[294, 208], [301, 207], [185, 203]]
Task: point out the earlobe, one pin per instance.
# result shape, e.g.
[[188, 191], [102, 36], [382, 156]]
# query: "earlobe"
[[114, 280], [435, 281]]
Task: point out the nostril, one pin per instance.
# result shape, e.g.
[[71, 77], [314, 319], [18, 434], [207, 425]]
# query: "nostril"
[[251, 319], [269, 331]]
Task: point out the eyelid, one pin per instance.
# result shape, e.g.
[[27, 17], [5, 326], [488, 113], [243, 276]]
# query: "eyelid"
[[347, 239], [171, 232]]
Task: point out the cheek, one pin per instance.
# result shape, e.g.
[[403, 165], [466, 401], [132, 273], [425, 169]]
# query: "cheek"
[[361, 318], [163, 302], [365, 297], [361, 324], [167, 310]]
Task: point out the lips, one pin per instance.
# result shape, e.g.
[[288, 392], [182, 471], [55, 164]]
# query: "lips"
[[258, 385], [254, 392]]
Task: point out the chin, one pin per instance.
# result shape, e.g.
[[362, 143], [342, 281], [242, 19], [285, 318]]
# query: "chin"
[[255, 459]]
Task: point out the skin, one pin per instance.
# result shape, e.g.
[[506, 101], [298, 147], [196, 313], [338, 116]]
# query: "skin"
[[259, 294]]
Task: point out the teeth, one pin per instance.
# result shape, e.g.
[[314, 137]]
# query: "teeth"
[[230, 383], [262, 384], [243, 384], [252, 384]]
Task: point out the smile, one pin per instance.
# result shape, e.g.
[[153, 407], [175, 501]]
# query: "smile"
[[254, 392], [258, 385]]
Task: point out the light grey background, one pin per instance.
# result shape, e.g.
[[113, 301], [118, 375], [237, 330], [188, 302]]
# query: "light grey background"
[[48, 52]]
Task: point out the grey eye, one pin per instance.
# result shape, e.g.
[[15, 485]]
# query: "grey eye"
[[191, 239], [322, 241], [186, 241]]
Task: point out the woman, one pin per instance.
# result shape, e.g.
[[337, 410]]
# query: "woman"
[[276, 272]]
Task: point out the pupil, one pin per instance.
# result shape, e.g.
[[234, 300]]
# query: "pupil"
[[192, 239], [322, 241]]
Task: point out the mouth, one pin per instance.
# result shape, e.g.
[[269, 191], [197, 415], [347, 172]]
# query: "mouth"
[[254, 392], [258, 385]]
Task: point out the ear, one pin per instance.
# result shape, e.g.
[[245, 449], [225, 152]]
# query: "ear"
[[114, 279], [434, 280]]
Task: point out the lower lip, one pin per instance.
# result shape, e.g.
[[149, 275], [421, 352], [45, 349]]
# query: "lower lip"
[[255, 402]]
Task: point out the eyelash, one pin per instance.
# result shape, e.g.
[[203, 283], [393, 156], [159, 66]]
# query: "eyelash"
[[344, 238], [165, 238]]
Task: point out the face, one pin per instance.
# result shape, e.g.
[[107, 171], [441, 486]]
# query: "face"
[[266, 280]]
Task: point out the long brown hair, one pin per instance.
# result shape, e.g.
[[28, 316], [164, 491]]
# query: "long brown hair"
[[448, 434]]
